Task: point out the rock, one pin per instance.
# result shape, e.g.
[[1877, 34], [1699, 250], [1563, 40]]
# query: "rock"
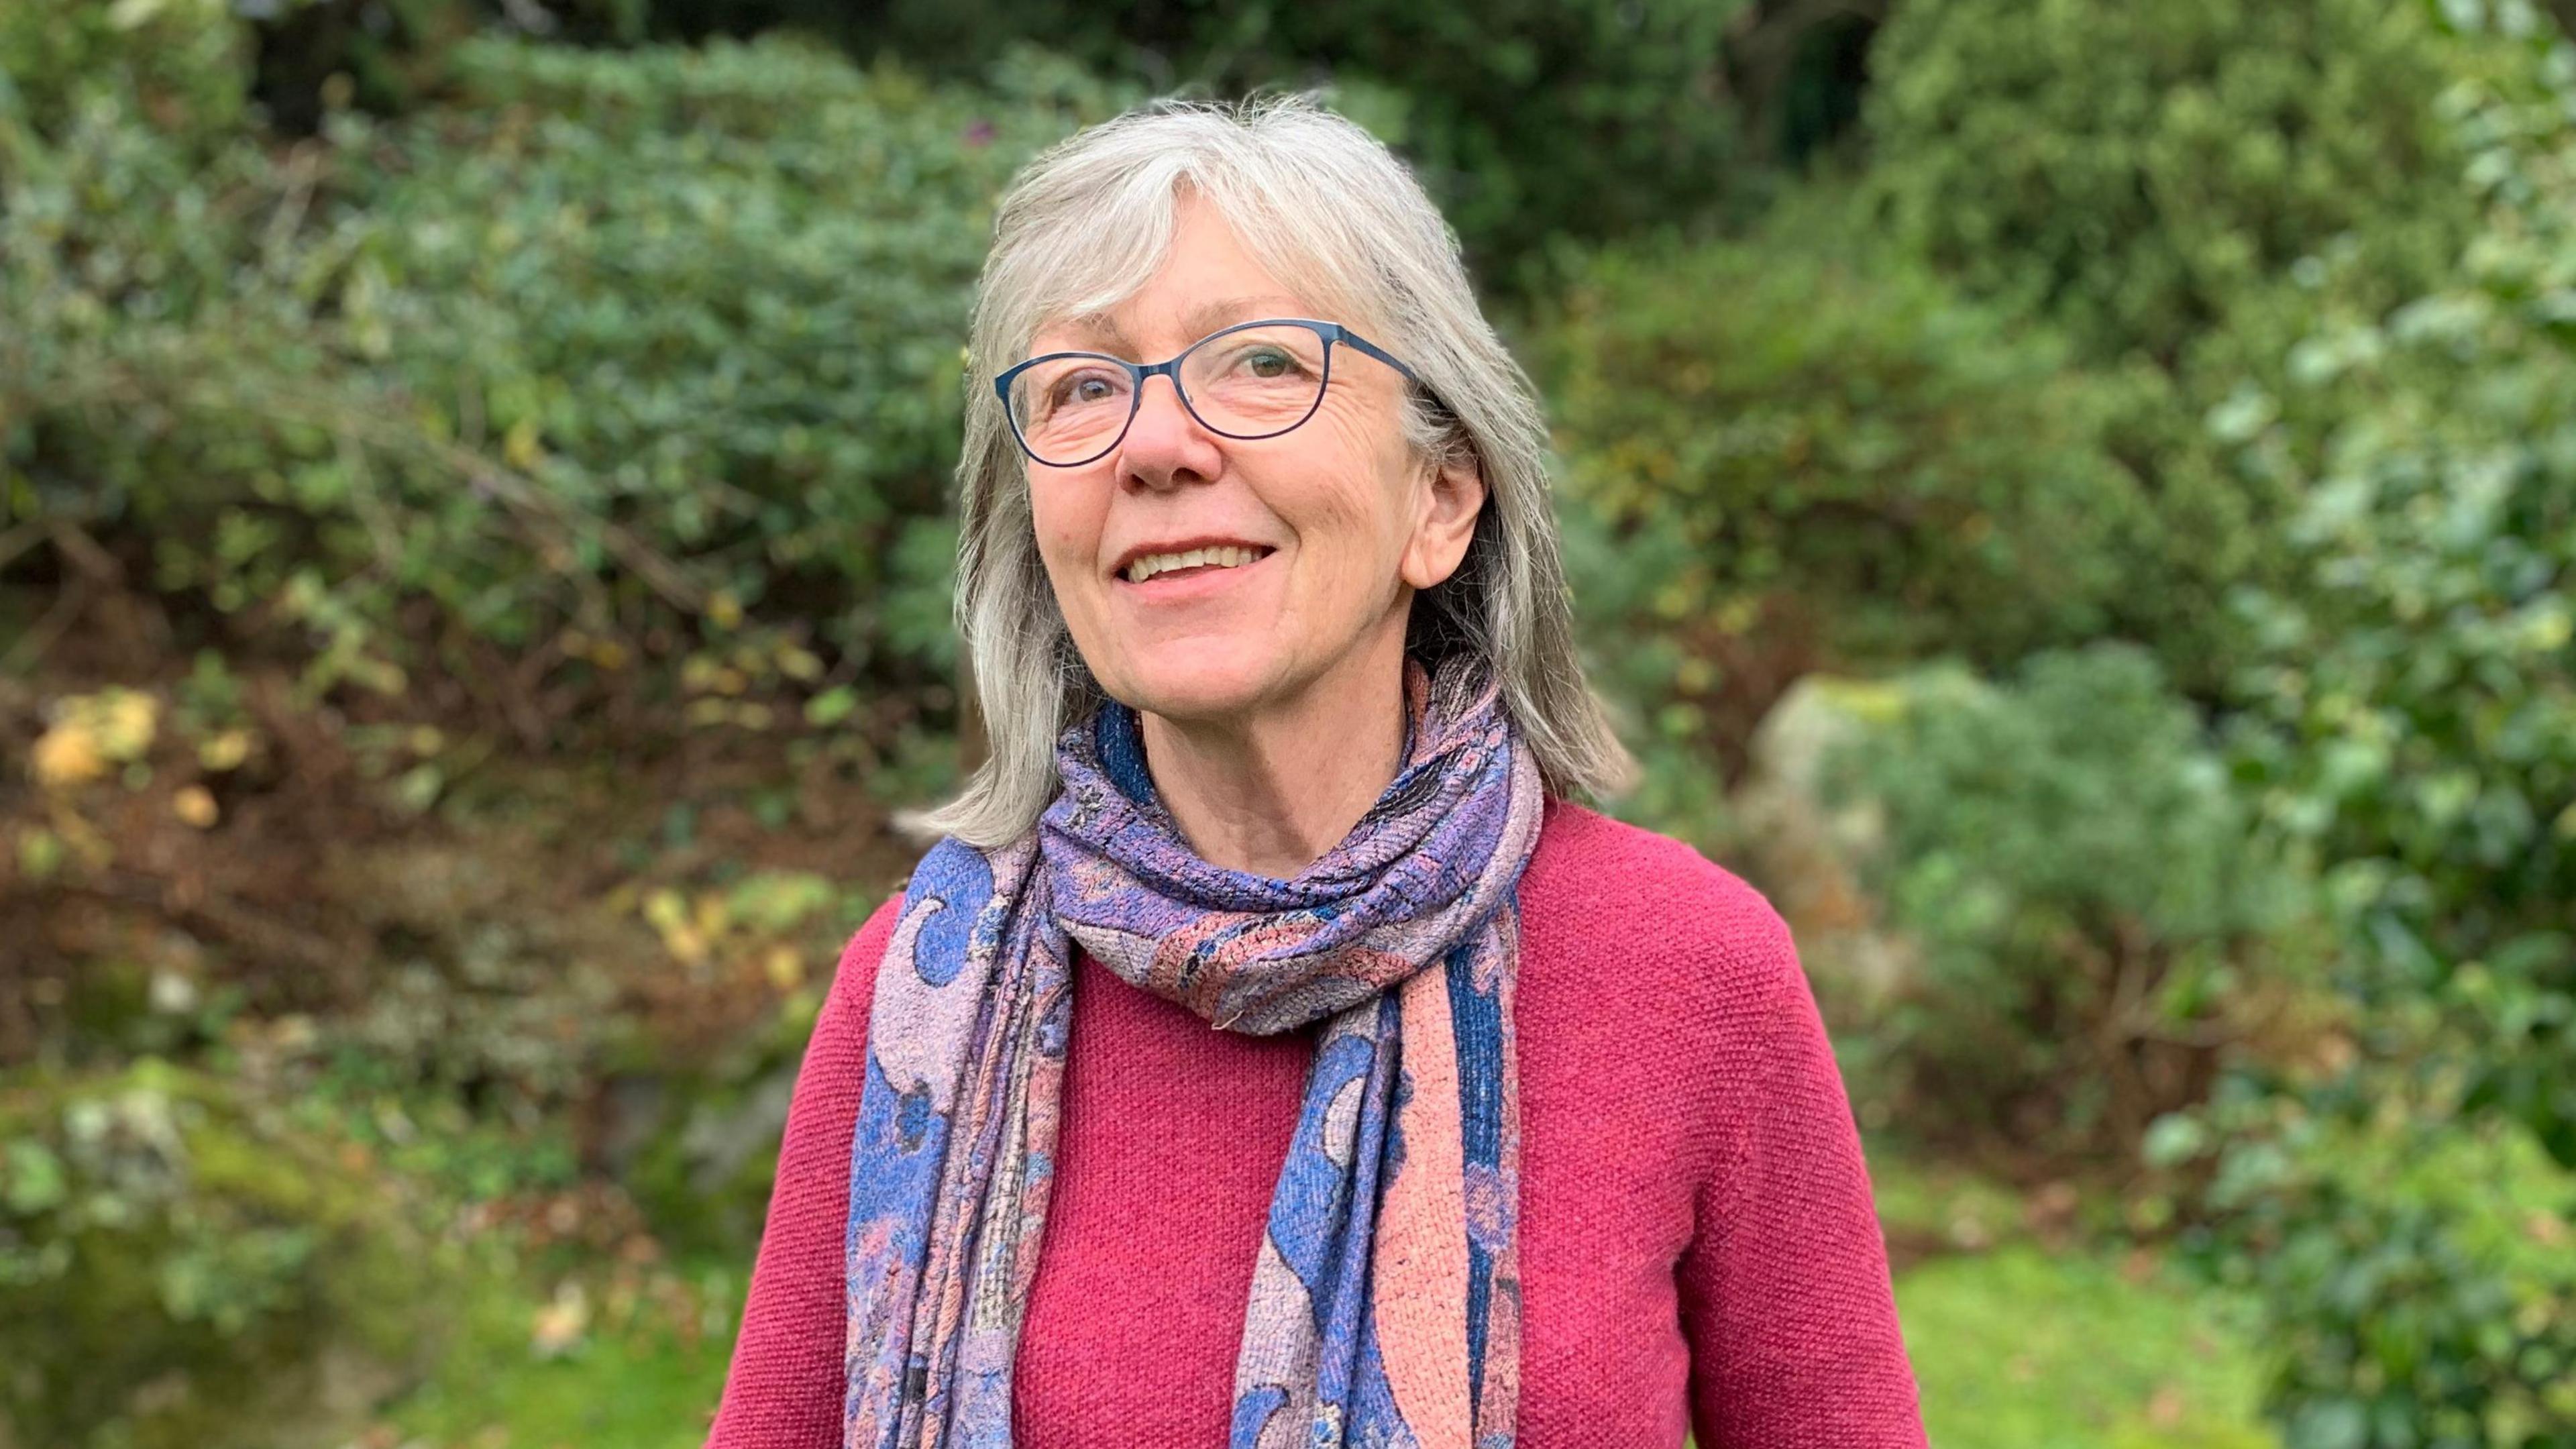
[[1811, 858]]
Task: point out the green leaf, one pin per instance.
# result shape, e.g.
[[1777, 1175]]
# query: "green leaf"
[[36, 1181]]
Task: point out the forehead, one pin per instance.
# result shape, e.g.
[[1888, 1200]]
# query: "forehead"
[[1204, 279], [1101, 329]]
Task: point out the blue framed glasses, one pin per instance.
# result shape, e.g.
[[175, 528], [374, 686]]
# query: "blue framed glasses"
[[1250, 380]]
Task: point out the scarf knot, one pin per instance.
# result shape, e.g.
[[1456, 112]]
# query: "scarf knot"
[[1259, 954]]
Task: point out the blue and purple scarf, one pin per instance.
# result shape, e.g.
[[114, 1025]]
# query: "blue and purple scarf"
[[1386, 1299]]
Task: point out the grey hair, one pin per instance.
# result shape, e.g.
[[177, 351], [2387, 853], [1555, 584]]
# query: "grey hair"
[[1331, 212]]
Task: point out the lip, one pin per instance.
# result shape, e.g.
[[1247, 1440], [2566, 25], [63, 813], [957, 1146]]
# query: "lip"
[[1118, 570]]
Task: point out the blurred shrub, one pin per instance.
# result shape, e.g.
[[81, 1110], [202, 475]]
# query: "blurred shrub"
[[120, 127], [392, 56], [181, 1266], [617, 355], [2146, 173], [2412, 715], [2165, 182], [2413, 1268], [1528, 119], [2093, 919], [175, 66], [1836, 462], [2420, 686], [1531, 121]]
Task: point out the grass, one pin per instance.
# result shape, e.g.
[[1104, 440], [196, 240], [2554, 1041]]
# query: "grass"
[[2064, 1342], [2019, 1348], [641, 1370]]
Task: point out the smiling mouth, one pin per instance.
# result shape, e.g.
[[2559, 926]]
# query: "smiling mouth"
[[1188, 563]]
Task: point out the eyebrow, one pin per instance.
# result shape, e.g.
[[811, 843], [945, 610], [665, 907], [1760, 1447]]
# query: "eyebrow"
[[1096, 325], [1199, 320], [1207, 317]]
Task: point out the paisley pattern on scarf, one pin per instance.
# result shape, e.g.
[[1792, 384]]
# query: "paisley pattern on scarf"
[[1385, 1306]]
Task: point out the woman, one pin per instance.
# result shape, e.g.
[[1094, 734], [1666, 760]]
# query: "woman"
[[1517, 1126]]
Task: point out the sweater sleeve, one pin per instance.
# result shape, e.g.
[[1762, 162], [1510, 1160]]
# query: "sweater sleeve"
[[784, 1388], [1785, 1294]]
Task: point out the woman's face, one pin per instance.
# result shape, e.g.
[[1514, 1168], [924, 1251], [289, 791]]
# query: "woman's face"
[[1339, 519]]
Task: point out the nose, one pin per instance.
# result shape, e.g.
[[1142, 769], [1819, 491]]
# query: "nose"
[[1165, 446]]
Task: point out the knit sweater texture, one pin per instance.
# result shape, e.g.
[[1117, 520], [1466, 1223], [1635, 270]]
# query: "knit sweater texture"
[[1699, 1253]]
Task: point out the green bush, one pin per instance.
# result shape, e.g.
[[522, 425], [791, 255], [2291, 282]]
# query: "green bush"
[[2092, 917], [1826, 459], [2147, 173], [2165, 183], [2411, 1266], [125, 131], [2411, 715], [1529, 119], [2419, 688], [612, 356], [177, 67], [181, 1265]]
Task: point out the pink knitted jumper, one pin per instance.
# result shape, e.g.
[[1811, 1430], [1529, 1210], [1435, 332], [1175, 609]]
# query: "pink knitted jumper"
[[1698, 1249]]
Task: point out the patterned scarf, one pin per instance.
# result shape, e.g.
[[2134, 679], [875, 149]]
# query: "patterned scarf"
[[1386, 1297]]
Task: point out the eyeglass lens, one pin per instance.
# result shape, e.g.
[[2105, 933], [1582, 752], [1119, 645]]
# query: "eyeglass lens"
[[1245, 384]]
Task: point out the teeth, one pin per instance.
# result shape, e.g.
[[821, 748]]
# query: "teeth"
[[1159, 563]]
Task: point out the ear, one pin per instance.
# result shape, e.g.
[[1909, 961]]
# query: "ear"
[[1447, 522]]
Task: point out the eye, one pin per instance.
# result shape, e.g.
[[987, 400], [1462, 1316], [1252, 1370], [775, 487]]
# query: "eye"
[[1266, 362], [1269, 362], [1075, 389]]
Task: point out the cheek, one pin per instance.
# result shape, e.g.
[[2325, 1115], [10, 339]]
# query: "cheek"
[[1067, 529], [1353, 499]]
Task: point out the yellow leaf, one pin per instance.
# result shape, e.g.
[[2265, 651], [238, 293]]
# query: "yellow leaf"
[[667, 909], [126, 720], [195, 805], [799, 664], [520, 445], [68, 754], [93, 731], [225, 751], [686, 943]]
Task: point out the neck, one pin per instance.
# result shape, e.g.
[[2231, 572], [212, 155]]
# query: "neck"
[[1271, 792]]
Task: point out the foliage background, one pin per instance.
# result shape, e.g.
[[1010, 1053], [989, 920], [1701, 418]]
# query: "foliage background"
[[2075, 499]]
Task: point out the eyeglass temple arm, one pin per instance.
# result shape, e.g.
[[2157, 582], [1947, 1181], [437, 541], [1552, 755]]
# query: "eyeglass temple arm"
[[1373, 350]]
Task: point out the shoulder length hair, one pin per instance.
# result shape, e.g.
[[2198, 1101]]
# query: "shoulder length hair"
[[1326, 208]]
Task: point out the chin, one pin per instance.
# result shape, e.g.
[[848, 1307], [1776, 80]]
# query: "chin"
[[1204, 679]]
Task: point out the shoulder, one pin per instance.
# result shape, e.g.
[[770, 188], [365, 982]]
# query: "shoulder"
[[1612, 891], [1653, 975]]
